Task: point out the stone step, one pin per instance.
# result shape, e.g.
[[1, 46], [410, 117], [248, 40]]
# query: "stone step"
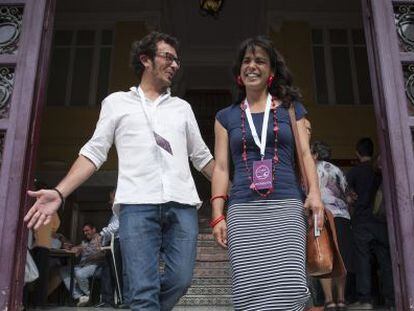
[[209, 290], [208, 243], [205, 236], [202, 300], [209, 272], [211, 255], [214, 249], [212, 264], [213, 281]]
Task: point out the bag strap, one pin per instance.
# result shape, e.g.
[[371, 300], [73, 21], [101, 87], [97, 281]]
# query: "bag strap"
[[299, 153]]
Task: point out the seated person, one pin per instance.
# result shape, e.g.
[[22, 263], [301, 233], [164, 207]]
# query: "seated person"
[[90, 256]]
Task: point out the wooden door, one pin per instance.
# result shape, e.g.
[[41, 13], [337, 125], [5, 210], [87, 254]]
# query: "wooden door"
[[25, 37], [389, 30]]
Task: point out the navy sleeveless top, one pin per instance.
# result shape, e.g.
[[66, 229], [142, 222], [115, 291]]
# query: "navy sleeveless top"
[[285, 181]]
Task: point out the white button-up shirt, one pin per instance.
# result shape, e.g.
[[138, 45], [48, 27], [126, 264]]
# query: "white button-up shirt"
[[148, 174]]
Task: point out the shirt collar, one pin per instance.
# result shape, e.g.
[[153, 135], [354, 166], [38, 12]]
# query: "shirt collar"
[[160, 99]]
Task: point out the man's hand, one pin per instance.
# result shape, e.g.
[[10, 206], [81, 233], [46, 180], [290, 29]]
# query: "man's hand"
[[220, 233], [47, 203]]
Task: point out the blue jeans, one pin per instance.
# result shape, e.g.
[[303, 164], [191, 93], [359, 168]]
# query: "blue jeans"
[[148, 233], [82, 275]]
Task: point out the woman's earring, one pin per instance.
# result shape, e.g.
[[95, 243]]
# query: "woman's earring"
[[239, 81], [269, 81]]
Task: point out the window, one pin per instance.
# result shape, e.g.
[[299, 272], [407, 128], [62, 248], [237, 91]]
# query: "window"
[[79, 70], [341, 67]]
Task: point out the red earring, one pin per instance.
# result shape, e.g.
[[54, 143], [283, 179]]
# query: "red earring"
[[269, 81], [239, 81]]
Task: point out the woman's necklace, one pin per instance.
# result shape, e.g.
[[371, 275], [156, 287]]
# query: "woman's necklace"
[[244, 151]]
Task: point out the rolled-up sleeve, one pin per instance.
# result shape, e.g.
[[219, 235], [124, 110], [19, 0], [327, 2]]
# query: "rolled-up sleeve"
[[96, 149], [197, 149]]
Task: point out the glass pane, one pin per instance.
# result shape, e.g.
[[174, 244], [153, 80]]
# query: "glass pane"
[[358, 36], [317, 36], [6, 90], [2, 142], [320, 75], [85, 37], [63, 37], [10, 28], [412, 137], [404, 21], [338, 36], [364, 83], [106, 37], [59, 68], [408, 71], [342, 76], [81, 77], [103, 77]]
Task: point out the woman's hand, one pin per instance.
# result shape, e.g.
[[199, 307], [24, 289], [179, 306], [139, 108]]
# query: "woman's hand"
[[220, 233], [314, 203]]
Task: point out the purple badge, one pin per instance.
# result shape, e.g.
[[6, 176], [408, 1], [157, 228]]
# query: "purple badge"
[[163, 143], [262, 174]]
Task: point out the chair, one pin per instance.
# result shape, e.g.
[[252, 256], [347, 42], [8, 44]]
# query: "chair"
[[94, 286], [111, 248]]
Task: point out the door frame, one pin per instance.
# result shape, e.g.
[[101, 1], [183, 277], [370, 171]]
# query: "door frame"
[[394, 135], [21, 130]]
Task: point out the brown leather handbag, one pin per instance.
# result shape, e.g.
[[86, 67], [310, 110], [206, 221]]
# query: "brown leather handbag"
[[323, 258]]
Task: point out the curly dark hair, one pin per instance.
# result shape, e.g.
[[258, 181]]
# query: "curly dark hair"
[[322, 150], [281, 86], [148, 46]]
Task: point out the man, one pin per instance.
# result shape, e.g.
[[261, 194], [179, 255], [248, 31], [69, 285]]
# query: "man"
[[154, 134], [368, 231], [90, 257]]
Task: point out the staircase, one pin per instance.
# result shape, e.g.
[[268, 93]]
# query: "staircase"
[[211, 280]]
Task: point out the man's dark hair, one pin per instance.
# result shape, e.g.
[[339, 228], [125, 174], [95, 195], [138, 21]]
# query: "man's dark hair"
[[365, 147], [89, 224], [321, 150], [148, 46]]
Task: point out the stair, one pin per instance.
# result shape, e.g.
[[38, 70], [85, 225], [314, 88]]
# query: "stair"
[[211, 280]]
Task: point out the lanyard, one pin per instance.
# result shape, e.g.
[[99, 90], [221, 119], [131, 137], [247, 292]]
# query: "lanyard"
[[148, 115], [260, 143]]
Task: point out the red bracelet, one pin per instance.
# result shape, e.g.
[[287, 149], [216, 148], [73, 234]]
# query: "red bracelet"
[[224, 197], [214, 222]]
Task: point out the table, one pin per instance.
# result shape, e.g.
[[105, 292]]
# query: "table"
[[70, 256]]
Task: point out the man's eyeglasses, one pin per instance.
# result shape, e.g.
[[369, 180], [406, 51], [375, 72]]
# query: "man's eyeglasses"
[[170, 58]]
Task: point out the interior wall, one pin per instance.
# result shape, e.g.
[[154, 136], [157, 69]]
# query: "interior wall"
[[64, 130], [339, 126]]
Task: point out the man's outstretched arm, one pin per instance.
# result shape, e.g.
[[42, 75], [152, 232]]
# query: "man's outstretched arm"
[[48, 201]]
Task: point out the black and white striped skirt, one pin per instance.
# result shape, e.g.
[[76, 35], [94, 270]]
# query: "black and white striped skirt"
[[267, 255]]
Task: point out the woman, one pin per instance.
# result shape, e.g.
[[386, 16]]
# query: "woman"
[[334, 191], [265, 224]]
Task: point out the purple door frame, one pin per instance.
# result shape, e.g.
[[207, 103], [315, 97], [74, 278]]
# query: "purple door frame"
[[21, 130], [394, 134]]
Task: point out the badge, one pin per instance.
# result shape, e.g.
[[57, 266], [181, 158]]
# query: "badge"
[[262, 174], [163, 143]]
